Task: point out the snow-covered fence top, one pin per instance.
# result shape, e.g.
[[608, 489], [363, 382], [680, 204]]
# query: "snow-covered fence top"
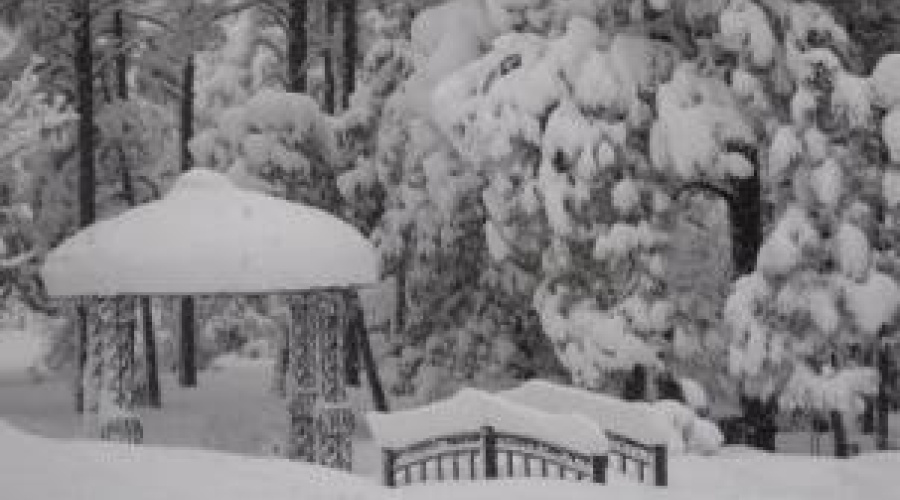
[[666, 422], [471, 409], [631, 419], [207, 236]]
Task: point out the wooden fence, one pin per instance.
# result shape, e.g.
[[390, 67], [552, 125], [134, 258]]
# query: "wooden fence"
[[487, 454]]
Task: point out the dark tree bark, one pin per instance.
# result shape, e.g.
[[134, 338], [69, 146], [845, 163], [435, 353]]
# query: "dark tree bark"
[[82, 327], [187, 366], [329, 99], [297, 46], [84, 66], [881, 398], [398, 322], [351, 50], [841, 446], [745, 214], [358, 327], [154, 397]]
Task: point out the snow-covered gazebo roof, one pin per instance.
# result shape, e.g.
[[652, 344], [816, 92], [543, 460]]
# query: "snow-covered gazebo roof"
[[207, 236]]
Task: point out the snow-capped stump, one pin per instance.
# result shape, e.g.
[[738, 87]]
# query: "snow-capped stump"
[[207, 236]]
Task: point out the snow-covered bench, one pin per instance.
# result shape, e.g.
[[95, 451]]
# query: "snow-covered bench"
[[476, 435]]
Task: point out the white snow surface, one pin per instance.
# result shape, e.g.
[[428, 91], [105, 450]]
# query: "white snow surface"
[[206, 237], [33, 468], [661, 422], [634, 420], [471, 409]]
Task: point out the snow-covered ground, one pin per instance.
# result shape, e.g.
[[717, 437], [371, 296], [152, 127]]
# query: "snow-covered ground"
[[34, 468], [232, 411]]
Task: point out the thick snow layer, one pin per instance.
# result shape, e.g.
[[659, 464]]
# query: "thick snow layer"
[[884, 81], [20, 354], [634, 420], [33, 468], [471, 409], [662, 422], [205, 237], [872, 303], [890, 133]]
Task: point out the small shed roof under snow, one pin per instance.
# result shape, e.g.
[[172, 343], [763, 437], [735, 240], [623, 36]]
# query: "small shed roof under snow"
[[207, 236]]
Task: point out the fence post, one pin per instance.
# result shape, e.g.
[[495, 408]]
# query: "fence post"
[[489, 452], [388, 460], [598, 468], [660, 465]]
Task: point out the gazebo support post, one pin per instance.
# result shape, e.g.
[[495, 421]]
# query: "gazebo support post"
[[109, 384], [321, 420]]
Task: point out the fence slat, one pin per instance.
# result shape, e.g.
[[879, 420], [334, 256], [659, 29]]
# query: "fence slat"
[[661, 464], [489, 452], [599, 464], [388, 460]]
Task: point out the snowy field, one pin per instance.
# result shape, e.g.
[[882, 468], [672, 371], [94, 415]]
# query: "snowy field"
[[217, 441]]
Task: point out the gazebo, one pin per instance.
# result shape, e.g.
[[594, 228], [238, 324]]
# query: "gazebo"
[[209, 237]]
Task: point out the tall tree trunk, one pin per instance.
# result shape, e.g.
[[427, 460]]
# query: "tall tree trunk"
[[841, 446], [881, 398], [154, 393], [297, 46], [330, 99], [351, 50], [398, 321], [358, 328], [84, 67], [154, 397], [745, 214], [81, 319], [187, 366]]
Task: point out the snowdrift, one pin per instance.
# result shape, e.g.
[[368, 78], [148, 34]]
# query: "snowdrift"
[[33, 468], [664, 422], [471, 409]]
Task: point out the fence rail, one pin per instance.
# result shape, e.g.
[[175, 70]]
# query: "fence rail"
[[636, 456], [486, 454]]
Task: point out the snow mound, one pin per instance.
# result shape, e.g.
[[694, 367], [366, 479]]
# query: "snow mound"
[[471, 409], [206, 237], [663, 422]]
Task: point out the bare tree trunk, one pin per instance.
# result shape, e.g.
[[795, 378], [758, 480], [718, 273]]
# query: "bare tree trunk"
[[84, 66], [330, 100], [351, 49], [187, 373], [152, 372], [841, 446], [881, 398], [297, 46], [745, 214], [361, 337], [154, 394], [398, 322]]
